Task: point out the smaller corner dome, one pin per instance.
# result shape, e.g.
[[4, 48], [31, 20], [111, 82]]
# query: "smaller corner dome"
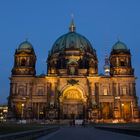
[[119, 46], [26, 45]]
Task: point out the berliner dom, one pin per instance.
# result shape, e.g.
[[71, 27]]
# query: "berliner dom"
[[72, 88]]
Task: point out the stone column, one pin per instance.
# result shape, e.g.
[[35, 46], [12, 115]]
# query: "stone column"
[[38, 110], [136, 110], [117, 61], [16, 89], [119, 89], [28, 89], [12, 87], [110, 109], [117, 107], [52, 98], [100, 111]]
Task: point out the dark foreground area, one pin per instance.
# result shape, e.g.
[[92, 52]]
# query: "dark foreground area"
[[12, 131], [85, 133], [75, 132], [129, 129], [6, 128]]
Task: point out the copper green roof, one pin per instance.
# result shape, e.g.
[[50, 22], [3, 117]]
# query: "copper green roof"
[[26, 45], [119, 46], [72, 40]]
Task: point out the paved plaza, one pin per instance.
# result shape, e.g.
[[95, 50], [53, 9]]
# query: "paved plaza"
[[87, 133]]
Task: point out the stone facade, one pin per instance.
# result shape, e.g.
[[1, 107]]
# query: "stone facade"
[[72, 87]]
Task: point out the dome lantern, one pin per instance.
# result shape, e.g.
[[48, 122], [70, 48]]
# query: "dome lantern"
[[72, 27]]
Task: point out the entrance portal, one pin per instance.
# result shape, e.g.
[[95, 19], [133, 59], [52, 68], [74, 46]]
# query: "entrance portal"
[[72, 103], [73, 110]]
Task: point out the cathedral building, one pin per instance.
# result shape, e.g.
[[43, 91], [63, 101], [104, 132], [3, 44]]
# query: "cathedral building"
[[72, 87]]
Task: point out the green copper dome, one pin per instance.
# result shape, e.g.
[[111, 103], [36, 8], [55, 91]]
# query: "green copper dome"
[[25, 46], [72, 40], [119, 46]]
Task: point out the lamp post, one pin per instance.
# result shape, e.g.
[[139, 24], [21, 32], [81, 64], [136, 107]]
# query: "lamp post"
[[58, 100], [22, 111], [122, 110], [132, 111], [38, 112]]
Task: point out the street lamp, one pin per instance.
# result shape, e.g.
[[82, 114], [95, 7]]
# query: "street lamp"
[[22, 105], [122, 110], [132, 111]]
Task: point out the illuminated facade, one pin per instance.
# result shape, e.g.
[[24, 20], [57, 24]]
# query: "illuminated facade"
[[3, 112], [72, 87]]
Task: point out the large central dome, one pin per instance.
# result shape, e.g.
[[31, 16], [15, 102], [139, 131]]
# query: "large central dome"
[[72, 54], [72, 40]]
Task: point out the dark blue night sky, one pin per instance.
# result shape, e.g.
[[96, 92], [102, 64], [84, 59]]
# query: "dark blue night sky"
[[43, 21]]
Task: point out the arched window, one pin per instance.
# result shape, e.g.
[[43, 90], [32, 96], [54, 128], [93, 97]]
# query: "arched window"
[[23, 62], [105, 91], [124, 90], [40, 91], [91, 63], [72, 67], [21, 91], [72, 70], [122, 62]]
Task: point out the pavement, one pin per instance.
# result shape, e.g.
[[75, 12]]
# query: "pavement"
[[86, 133]]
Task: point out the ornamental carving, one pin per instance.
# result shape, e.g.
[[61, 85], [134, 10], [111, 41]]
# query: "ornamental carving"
[[72, 82], [73, 94]]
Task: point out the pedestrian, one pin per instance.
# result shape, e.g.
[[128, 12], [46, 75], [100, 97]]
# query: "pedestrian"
[[83, 123]]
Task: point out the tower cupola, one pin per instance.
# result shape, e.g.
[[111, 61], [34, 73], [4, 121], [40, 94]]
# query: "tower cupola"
[[120, 60], [25, 60]]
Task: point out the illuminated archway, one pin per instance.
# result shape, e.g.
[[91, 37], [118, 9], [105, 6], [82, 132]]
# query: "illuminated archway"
[[72, 102]]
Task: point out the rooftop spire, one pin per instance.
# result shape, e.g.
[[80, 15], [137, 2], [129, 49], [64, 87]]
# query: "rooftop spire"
[[118, 38], [72, 25], [106, 66], [26, 39]]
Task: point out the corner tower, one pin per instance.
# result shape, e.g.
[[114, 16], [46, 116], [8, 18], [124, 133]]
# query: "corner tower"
[[120, 60], [25, 60]]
